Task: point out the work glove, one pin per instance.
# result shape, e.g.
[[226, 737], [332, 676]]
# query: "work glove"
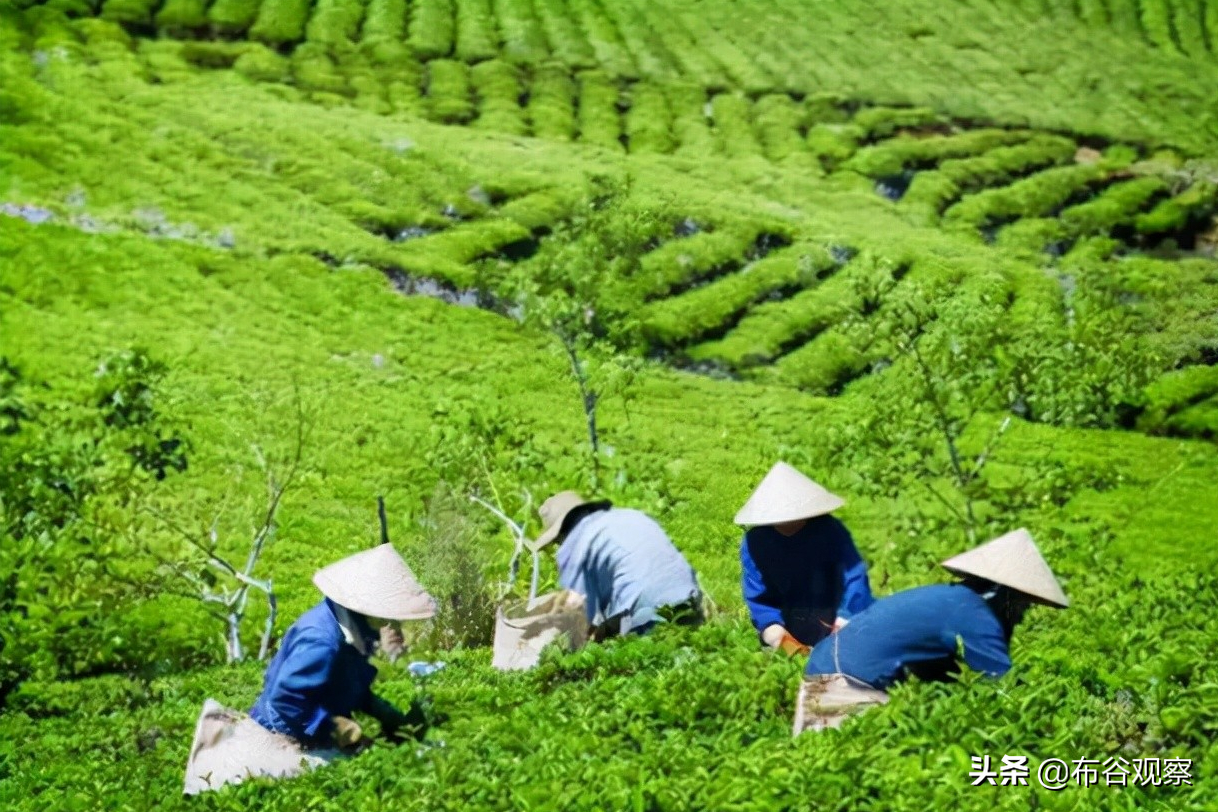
[[792, 647], [348, 735]]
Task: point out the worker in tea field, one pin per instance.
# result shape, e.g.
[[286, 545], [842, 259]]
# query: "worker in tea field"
[[927, 630], [802, 575], [317, 680], [622, 562]]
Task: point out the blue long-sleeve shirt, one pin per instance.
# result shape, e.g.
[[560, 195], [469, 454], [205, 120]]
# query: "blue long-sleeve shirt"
[[805, 581], [625, 566], [918, 631], [315, 676]]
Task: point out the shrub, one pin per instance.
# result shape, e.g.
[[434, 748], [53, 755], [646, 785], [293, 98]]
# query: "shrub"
[[1116, 205], [315, 70], [610, 51], [523, 41], [335, 22], [692, 315], [567, 40], [178, 16], [281, 22], [690, 125], [911, 152], [449, 95], [1037, 195], [233, 16], [733, 132], [431, 28], [1176, 393], [681, 263], [552, 104], [832, 144], [497, 87], [133, 12], [650, 55], [475, 28], [1175, 213], [778, 122], [648, 124], [262, 64], [384, 20], [599, 121], [881, 122]]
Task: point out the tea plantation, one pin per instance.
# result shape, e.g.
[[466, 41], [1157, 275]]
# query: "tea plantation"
[[955, 261]]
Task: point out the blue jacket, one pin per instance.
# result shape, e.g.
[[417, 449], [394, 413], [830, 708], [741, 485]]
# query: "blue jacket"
[[315, 676], [805, 581], [918, 631], [626, 567]]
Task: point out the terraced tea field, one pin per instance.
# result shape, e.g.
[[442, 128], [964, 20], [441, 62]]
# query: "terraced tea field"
[[810, 210]]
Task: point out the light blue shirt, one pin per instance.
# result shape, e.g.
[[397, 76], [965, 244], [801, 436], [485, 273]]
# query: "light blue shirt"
[[624, 565]]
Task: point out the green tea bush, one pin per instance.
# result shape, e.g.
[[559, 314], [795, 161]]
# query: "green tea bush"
[[335, 22], [599, 121], [734, 134], [689, 57], [1174, 393], [690, 316], [1034, 196], [608, 48], [567, 40], [540, 210], [179, 16], [690, 126], [447, 256], [315, 70], [1117, 205], [882, 122], [431, 28], [384, 20], [1034, 234], [771, 327], [910, 152], [133, 12], [778, 122], [648, 124], [233, 16], [475, 27], [551, 105], [645, 47], [449, 96], [1176, 212], [932, 192], [832, 144], [680, 263], [523, 41], [262, 64], [745, 70], [1157, 23], [497, 87], [280, 22]]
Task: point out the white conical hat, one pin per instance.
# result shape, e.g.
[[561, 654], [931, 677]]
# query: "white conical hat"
[[376, 583], [786, 495], [1013, 561]]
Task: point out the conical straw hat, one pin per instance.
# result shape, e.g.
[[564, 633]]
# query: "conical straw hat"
[[786, 495], [1013, 561], [376, 583], [554, 512]]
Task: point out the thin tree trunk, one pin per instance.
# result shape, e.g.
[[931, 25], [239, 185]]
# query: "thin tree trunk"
[[272, 606]]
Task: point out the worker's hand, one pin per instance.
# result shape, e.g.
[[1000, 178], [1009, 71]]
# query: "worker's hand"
[[348, 735], [772, 635], [390, 717], [792, 647], [393, 642]]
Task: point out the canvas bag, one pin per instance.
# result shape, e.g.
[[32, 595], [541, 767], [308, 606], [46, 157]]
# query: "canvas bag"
[[827, 700], [230, 747], [523, 628]]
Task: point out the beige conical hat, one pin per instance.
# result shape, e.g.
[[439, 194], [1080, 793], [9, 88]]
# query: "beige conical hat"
[[376, 583], [1012, 560], [554, 511], [786, 495]]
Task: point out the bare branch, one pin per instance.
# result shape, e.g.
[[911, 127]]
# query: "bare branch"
[[516, 529]]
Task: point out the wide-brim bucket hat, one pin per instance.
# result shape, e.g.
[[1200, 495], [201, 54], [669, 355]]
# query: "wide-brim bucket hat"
[[786, 495], [376, 583], [554, 512], [1013, 561]]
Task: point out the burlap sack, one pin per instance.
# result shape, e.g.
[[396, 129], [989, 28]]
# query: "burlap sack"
[[230, 747], [522, 629], [826, 700]]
